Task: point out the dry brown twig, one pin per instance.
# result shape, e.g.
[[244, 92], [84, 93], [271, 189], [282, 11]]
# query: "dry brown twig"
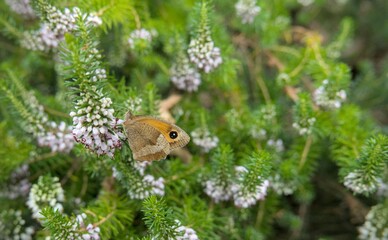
[[164, 111]]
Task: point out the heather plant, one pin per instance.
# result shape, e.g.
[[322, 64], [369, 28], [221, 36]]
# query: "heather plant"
[[288, 126]]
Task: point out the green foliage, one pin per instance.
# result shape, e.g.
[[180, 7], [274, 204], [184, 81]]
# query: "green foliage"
[[159, 218], [57, 223], [296, 107], [13, 152], [259, 166]]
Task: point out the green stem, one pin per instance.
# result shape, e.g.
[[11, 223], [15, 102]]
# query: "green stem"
[[301, 64], [320, 60], [260, 214], [305, 152]]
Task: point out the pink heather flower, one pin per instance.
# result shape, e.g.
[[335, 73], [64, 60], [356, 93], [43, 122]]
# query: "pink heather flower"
[[22, 7], [217, 191], [59, 138], [185, 233], [53, 30], [184, 76]]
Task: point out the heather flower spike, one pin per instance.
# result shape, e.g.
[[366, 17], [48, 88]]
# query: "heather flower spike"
[[55, 25], [183, 74], [94, 124], [202, 50], [139, 184], [46, 192]]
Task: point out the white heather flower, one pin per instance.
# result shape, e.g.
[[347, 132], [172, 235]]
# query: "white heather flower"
[[133, 104], [22, 7], [185, 233], [305, 126], [276, 144], [47, 192], [268, 113], [94, 19], [12, 226], [94, 124], [257, 132], [53, 30], [81, 230], [247, 10], [37, 121], [331, 100], [141, 166], [19, 185], [376, 224], [19, 189], [281, 187], [139, 37], [203, 53], [357, 183], [244, 198], [145, 187], [48, 134], [204, 139], [217, 190], [59, 138], [149, 186], [184, 76], [42, 40], [382, 189]]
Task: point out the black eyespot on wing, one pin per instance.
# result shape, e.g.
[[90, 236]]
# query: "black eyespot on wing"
[[173, 134]]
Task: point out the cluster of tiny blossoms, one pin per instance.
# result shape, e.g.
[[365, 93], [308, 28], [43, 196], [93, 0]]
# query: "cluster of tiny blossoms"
[[184, 76], [47, 192], [94, 124], [218, 190], [282, 187], [19, 185], [89, 232], [58, 138], [241, 195], [331, 100], [203, 138], [140, 38], [247, 10], [22, 7], [133, 104], [204, 54], [48, 134], [56, 24], [12, 226], [304, 126], [185, 233], [375, 225], [276, 144], [244, 197], [145, 186], [357, 183]]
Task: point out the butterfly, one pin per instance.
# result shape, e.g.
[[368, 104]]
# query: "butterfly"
[[152, 139]]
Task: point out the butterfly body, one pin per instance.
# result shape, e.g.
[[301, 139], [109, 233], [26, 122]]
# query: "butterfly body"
[[153, 139]]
